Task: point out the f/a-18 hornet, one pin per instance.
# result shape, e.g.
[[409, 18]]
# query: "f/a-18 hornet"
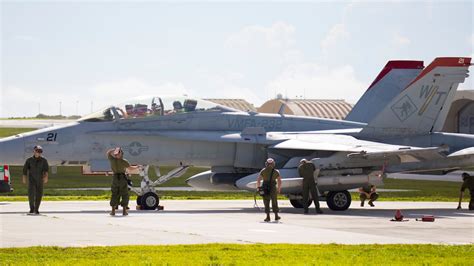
[[399, 133]]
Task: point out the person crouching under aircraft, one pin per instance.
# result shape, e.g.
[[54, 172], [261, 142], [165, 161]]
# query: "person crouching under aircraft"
[[119, 183], [271, 178], [368, 191]]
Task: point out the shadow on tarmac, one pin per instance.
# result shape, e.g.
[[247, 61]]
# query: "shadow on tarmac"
[[439, 213]]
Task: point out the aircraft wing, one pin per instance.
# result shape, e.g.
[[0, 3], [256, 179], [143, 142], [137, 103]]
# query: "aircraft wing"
[[360, 149], [420, 154]]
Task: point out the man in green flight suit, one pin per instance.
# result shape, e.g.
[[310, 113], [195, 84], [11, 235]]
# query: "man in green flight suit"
[[271, 178], [468, 182], [36, 168], [368, 191], [307, 170], [119, 183]]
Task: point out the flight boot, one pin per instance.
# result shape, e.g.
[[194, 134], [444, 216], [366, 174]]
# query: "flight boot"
[[371, 204], [112, 213], [268, 218], [277, 217], [125, 212]]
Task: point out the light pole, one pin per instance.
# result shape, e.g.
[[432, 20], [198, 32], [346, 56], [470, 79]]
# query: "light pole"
[[60, 108]]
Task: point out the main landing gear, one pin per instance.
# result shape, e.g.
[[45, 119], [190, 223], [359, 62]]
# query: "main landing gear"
[[336, 200]]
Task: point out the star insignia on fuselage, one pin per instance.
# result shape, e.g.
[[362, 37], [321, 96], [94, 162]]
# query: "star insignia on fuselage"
[[135, 148]]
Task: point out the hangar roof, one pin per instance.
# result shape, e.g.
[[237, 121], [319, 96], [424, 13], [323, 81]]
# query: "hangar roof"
[[239, 104], [333, 109]]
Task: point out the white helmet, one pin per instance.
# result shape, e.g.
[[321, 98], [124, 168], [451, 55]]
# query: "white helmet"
[[269, 161]]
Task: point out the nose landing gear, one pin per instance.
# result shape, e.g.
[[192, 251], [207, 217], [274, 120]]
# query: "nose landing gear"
[[147, 197]]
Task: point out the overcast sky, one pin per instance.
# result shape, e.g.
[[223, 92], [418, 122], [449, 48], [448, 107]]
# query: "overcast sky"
[[86, 52]]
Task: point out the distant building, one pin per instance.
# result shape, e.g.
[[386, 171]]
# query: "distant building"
[[332, 109], [460, 117], [239, 104]]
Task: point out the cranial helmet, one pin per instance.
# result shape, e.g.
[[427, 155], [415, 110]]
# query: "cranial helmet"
[[269, 161]]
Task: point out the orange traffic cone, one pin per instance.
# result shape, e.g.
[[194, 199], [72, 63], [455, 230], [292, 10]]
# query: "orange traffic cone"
[[398, 216]]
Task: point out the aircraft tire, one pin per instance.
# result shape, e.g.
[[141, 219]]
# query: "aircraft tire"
[[150, 201], [339, 200], [4, 187], [139, 200], [298, 203]]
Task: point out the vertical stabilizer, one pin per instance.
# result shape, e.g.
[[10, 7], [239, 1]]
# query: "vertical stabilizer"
[[416, 109], [393, 78]]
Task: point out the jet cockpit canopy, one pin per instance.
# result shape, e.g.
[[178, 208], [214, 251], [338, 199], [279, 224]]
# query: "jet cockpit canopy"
[[155, 106]]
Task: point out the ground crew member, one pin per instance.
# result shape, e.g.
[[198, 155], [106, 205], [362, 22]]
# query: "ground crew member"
[[306, 169], [36, 168], [368, 192], [119, 183], [270, 177], [468, 182]]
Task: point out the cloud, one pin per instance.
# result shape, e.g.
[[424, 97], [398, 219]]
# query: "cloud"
[[400, 40], [280, 35], [338, 32], [227, 85], [292, 56], [335, 35], [314, 81], [1, 102], [26, 38], [99, 95]]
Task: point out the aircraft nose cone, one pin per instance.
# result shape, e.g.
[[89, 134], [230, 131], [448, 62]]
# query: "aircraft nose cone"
[[12, 150]]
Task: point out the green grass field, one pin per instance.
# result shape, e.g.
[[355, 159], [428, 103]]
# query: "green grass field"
[[6, 132], [71, 177], [234, 254]]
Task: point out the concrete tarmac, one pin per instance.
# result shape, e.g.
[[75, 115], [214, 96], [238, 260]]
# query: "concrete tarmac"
[[87, 223]]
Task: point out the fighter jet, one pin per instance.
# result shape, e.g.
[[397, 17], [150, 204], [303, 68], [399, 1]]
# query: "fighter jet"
[[186, 131]]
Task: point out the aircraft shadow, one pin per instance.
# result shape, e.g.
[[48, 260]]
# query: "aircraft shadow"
[[372, 212], [388, 213]]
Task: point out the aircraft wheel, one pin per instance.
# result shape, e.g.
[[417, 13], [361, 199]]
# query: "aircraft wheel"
[[298, 203], [139, 200], [339, 200], [150, 201]]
